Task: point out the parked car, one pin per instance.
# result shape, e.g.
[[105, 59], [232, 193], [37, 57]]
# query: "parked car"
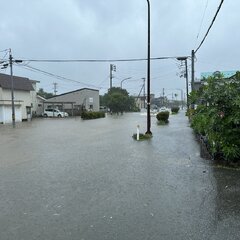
[[50, 112]]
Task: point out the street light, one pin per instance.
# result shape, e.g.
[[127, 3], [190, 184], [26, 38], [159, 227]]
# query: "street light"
[[148, 75], [186, 75], [124, 80]]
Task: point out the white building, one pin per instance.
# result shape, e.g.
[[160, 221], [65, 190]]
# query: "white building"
[[24, 98]]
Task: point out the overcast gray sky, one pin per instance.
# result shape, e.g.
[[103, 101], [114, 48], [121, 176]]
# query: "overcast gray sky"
[[117, 29]]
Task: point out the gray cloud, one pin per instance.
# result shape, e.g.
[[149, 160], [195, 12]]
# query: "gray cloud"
[[96, 29]]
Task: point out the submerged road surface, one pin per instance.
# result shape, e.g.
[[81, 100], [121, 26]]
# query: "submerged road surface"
[[66, 179]]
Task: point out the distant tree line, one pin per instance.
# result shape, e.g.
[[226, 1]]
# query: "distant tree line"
[[118, 101], [44, 94]]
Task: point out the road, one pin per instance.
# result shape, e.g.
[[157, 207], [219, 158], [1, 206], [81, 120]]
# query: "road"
[[72, 179]]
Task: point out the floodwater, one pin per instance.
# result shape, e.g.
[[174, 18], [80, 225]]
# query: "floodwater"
[[71, 179]]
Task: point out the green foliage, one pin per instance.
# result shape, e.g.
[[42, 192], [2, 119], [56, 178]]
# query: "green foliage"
[[118, 100], [162, 117], [44, 94], [92, 115], [175, 110], [142, 136], [217, 116]]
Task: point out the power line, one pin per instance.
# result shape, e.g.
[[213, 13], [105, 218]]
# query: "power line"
[[54, 75], [5, 50], [214, 18], [96, 60], [202, 19]]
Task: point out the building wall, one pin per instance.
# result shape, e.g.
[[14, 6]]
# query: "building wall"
[[40, 106], [34, 100], [23, 96], [84, 97]]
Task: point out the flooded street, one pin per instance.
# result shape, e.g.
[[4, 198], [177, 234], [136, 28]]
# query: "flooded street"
[[72, 179]]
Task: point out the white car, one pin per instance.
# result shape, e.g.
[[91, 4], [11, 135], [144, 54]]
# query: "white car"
[[50, 112]]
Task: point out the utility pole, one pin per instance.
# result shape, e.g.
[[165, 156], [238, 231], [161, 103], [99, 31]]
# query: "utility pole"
[[55, 88], [163, 93], [193, 70], [186, 75], [12, 87], [182, 97], [144, 93], [186, 69], [148, 73], [112, 68]]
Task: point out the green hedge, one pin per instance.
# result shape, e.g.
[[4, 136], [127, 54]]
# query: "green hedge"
[[175, 110], [163, 116], [92, 115]]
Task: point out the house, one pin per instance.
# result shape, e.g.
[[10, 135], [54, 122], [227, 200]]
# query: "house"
[[223, 75], [24, 91], [75, 101]]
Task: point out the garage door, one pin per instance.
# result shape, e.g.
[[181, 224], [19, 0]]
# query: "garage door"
[[7, 114]]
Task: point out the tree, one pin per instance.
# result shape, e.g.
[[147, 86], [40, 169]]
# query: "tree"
[[217, 116], [118, 100], [44, 94]]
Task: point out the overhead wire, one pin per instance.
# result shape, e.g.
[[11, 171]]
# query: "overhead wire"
[[202, 19], [214, 18], [54, 75], [97, 60]]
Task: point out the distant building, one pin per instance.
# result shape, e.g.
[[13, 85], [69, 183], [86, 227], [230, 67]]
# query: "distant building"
[[75, 101], [226, 74], [204, 75], [141, 101], [24, 98]]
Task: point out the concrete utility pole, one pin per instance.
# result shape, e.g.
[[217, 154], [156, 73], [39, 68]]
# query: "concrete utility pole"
[[186, 75], [148, 75], [12, 87], [193, 70], [144, 93], [112, 68], [55, 88], [163, 93]]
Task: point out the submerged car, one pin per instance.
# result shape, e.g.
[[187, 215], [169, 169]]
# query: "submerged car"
[[50, 112]]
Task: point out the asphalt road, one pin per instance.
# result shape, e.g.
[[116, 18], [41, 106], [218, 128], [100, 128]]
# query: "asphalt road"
[[71, 179]]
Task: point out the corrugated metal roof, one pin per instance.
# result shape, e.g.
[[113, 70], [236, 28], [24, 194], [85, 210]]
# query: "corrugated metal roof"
[[19, 83]]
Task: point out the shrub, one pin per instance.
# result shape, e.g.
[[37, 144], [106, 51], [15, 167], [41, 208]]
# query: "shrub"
[[175, 110], [217, 117], [92, 115], [163, 116], [142, 136]]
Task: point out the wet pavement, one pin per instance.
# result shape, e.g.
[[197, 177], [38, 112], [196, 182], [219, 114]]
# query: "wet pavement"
[[72, 179]]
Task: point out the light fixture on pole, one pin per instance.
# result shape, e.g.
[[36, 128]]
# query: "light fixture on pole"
[[124, 80]]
